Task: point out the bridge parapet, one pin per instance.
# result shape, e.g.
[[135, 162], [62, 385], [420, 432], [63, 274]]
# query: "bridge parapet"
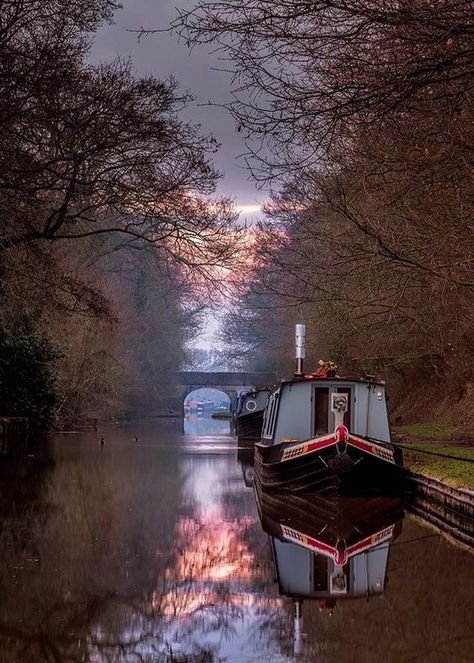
[[225, 378]]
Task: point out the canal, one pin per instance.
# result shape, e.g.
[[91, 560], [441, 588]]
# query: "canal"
[[151, 548]]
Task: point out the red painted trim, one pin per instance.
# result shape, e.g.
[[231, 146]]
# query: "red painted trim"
[[307, 447], [320, 444], [299, 538], [372, 448], [323, 442], [341, 557], [371, 541]]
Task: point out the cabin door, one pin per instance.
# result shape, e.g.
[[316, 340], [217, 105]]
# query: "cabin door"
[[321, 410]]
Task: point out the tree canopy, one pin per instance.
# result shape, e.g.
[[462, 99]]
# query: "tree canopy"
[[359, 115], [101, 182]]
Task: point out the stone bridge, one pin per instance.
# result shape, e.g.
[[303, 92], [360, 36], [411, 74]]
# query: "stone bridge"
[[230, 383]]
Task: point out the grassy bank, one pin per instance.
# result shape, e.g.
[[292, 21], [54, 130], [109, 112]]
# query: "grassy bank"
[[441, 432], [456, 473], [441, 439]]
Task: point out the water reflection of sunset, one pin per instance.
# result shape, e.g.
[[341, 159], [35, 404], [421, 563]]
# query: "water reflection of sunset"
[[216, 551], [216, 577], [210, 550], [153, 552]]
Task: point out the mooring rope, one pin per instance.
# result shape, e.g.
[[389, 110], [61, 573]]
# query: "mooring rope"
[[433, 453]]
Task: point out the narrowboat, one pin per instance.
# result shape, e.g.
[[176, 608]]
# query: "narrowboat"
[[327, 435], [222, 413], [249, 416], [329, 549]]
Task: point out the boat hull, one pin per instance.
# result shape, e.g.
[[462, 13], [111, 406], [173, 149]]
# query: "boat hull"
[[249, 428], [326, 471], [224, 414]]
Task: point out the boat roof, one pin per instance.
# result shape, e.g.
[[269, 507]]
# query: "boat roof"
[[257, 390], [336, 378]]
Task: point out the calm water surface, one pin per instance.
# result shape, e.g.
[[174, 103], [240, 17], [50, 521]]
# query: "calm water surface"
[[152, 550]]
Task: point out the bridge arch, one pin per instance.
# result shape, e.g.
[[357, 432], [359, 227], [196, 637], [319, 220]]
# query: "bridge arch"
[[231, 393], [231, 383], [212, 393]]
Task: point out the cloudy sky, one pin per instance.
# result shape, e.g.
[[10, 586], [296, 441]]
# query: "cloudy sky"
[[163, 55]]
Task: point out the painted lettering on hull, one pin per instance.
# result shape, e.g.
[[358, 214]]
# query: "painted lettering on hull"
[[309, 446], [340, 556]]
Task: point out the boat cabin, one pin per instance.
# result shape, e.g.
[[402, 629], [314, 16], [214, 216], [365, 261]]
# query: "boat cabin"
[[301, 409], [329, 547], [306, 574]]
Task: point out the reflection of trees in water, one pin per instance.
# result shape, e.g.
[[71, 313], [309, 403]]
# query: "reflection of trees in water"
[[80, 581], [220, 583], [107, 562], [25, 468], [216, 580]]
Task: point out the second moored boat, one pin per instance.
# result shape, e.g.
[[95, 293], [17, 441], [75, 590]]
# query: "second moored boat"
[[249, 416]]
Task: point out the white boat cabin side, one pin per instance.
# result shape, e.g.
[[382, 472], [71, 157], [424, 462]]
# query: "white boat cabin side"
[[305, 574], [301, 409]]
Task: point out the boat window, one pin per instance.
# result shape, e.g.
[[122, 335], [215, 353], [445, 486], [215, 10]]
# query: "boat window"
[[347, 415], [272, 421], [321, 410], [270, 416]]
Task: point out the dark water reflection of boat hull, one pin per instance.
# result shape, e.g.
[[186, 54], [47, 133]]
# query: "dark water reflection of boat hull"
[[328, 519], [329, 548], [245, 455], [245, 460]]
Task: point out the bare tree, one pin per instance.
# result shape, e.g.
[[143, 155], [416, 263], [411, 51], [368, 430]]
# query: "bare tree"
[[95, 160], [308, 75], [92, 150]]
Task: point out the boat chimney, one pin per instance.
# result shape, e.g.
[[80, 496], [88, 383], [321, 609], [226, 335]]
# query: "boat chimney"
[[298, 642], [300, 333]]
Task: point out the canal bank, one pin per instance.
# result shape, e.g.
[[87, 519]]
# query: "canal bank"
[[449, 509], [439, 477], [438, 452]]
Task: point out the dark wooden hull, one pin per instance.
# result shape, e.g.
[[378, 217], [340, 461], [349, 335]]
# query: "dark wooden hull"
[[246, 455], [326, 472], [248, 428], [224, 414]]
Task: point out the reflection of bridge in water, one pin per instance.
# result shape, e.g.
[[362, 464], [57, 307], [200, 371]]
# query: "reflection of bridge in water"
[[231, 383]]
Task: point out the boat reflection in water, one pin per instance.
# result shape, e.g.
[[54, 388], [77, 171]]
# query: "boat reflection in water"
[[329, 549], [245, 460]]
